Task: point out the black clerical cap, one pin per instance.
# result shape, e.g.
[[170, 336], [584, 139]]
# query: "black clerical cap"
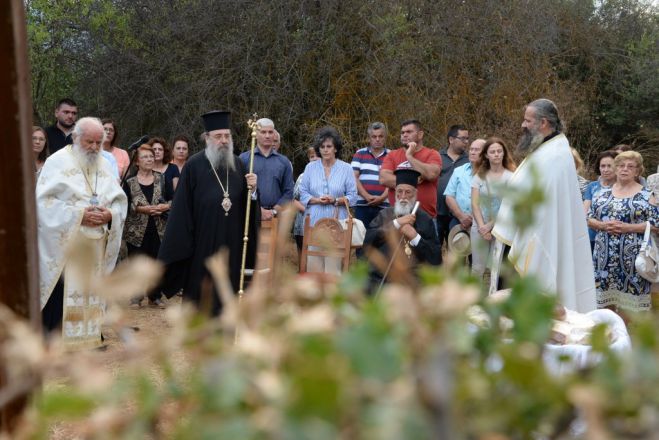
[[407, 176], [217, 120]]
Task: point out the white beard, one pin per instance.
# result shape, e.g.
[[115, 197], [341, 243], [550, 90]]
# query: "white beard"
[[403, 207], [220, 157], [528, 142], [87, 158]]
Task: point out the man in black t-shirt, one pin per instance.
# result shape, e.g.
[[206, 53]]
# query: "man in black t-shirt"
[[59, 134]]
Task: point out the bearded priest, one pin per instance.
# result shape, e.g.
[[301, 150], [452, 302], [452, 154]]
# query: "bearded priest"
[[208, 214], [555, 247], [413, 231], [81, 211]]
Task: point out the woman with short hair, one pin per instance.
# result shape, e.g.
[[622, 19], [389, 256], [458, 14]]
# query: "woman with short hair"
[[607, 176], [619, 214], [149, 198], [327, 183]]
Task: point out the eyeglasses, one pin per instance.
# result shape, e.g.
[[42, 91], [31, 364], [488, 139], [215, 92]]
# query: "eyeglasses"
[[629, 166], [463, 139], [325, 147]]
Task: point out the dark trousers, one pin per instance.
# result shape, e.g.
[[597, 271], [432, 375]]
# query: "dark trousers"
[[298, 242], [51, 314], [366, 214], [504, 282], [443, 228], [155, 293]]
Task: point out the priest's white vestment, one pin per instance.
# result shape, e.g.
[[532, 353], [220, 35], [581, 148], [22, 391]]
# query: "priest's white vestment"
[[64, 189], [555, 247]]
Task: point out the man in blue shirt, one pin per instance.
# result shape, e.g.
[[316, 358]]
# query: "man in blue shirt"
[[275, 171], [458, 189]]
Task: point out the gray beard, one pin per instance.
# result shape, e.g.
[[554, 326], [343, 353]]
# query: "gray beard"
[[220, 157], [87, 158], [402, 208], [528, 143]]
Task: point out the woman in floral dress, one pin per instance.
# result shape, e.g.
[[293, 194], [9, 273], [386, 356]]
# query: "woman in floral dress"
[[619, 214]]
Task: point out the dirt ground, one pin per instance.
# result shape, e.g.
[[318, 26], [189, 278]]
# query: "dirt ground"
[[148, 323], [142, 327]]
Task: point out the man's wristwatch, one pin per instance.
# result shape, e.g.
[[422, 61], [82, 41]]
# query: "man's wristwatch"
[[274, 212]]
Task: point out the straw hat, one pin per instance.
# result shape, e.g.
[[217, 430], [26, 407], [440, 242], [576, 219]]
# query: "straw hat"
[[459, 241]]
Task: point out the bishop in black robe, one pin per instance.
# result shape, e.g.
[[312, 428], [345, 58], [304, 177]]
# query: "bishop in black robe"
[[198, 227]]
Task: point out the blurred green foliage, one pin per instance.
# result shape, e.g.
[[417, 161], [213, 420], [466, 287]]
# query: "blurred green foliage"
[[373, 374]]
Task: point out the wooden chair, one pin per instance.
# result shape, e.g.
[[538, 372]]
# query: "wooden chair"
[[265, 253], [326, 238]]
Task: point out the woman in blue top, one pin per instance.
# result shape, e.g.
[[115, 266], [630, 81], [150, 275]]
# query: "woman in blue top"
[[326, 185], [604, 165], [327, 182]]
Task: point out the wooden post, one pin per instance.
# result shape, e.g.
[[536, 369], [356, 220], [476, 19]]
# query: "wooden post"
[[18, 245]]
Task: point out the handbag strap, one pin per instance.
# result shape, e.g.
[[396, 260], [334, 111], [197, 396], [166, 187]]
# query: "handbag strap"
[[347, 206], [646, 235], [345, 202]]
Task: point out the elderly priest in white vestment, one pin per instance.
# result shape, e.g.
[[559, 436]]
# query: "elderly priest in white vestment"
[[81, 211], [555, 248]]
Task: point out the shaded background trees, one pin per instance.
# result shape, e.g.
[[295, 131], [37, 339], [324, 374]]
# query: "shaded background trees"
[[156, 66]]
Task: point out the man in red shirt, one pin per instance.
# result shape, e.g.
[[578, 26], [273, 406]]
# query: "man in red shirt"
[[413, 155]]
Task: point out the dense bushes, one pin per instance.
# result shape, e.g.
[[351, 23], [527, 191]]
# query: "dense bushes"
[[155, 67]]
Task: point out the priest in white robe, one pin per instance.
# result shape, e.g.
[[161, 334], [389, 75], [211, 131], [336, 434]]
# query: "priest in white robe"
[[555, 247], [81, 211]]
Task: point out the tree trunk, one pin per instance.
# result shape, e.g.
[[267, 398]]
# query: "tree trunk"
[[18, 248]]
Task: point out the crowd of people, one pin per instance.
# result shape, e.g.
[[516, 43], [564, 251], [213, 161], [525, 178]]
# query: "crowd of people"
[[580, 241]]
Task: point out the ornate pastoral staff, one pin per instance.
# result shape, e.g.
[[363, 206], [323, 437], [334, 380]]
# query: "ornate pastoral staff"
[[254, 126]]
